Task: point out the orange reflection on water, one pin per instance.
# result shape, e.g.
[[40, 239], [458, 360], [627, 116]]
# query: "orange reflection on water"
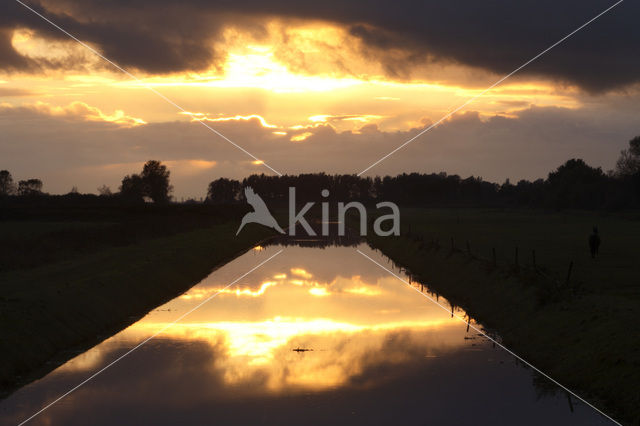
[[202, 293], [319, 291], [269, 351], [335, 351], [301, 273], [308, 327], [354, 285]]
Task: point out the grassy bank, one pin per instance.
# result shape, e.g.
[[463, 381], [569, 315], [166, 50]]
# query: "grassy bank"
[[33, 232], [582, 331], [50, 309]]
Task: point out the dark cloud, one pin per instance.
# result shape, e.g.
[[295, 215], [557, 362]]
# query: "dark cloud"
[[173, 39], [10, 60], [500, 36], [12, 16], [161, 36]]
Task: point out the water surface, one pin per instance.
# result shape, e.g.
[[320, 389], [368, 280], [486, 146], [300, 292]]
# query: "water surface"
[[315, 336]]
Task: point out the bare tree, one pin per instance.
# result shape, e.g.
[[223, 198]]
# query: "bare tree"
[[104, 191]]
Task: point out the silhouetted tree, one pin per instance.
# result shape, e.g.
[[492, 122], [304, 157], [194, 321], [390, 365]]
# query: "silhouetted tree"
[[7, 187], [155, 176], [628, 163], [576, 184], [30, 187], [133, 188], [153, 182], [224, 191]]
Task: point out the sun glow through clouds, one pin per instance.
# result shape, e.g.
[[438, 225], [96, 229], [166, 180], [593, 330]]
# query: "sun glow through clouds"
[[309, 83]]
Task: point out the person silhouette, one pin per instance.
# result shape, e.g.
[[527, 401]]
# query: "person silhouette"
[[594, 242]]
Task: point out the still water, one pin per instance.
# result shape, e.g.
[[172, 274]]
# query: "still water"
[[315, 336]]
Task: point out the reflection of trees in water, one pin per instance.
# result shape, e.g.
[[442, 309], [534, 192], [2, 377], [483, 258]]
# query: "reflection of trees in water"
[[301, 239], [544, 387], [320, 242]]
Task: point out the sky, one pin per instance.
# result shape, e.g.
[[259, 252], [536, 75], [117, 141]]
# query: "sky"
[[308, 87]]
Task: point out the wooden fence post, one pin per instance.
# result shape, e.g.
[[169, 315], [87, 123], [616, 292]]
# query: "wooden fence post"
[[533, 255], [569, 272]]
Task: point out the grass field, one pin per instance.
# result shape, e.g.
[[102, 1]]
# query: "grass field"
[[26, 230], [583, 333], [557, 238], [106, 274], [31, 236], [57, 306]]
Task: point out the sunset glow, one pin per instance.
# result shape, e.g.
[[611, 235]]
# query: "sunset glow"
[[295, 84], [338, 212]]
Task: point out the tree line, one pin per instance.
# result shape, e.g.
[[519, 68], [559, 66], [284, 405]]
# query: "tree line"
[[574, 184], [23, 188], [152, 184]]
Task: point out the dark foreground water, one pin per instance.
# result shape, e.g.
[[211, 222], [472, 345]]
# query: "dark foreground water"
[[317, 336]]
